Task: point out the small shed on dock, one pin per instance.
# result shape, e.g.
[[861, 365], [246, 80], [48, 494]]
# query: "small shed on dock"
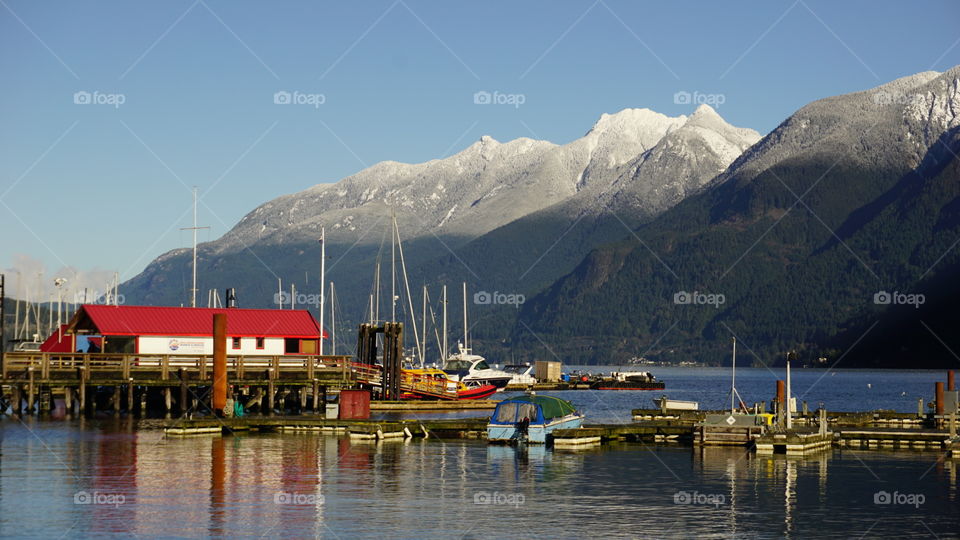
[[189, 331]]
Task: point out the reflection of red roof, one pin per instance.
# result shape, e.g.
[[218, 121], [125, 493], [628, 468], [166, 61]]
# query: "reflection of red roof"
[[180, 321], [58, 342]]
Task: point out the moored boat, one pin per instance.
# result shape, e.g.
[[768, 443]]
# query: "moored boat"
[[531, 418], [471, 368], [628, 380], [430, 382], [665, 403]]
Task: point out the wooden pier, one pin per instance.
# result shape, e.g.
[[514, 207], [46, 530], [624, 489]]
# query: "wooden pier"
[[167, 384]]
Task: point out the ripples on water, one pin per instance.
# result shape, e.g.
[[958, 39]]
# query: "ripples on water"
[[324, 486]]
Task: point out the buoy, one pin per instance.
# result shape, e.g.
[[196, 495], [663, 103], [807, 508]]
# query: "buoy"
[[869, 385]]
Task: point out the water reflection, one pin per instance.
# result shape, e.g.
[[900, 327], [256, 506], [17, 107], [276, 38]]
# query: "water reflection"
[[314, 485]]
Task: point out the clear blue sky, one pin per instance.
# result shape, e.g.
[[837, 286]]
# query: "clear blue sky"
[[98, 186]]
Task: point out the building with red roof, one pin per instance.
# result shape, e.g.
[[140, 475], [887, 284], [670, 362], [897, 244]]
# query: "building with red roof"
[[185, 331]]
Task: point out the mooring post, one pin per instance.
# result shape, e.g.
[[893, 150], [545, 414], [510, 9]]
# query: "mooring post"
[[938, 392], [781, 400], [219, 363]]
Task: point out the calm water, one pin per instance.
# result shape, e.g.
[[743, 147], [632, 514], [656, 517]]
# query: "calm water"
[[82, 478]]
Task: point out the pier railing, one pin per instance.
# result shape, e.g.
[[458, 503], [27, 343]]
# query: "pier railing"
[[140, 367]]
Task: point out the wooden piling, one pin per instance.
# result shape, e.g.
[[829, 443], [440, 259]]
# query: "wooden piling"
[[167, 400], [30, 389], [116, 400], [184, 393], [270, 396], [951, 383], [219, 363], [68, 399], [316, 396], [82, 391], [130, 406], [938, 392], [16, 399], [303, 399]]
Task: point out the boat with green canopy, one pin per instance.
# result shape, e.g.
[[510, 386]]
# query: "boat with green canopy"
[[530, 418]]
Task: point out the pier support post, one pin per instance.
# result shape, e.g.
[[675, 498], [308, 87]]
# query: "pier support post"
[[130, 406], [30, 389], [184, 394], [271, 394], [167, 400], [143, 403], [219, 363], [952, 421], [16, 399], [316, 396], [116, 400], [68, 399], [82, 391], [45, 398], [303, 399]]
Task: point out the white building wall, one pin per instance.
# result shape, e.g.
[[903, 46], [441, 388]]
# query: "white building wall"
[[187, 345]]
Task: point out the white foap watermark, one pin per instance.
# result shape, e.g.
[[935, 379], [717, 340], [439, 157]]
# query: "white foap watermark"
[[907, 499], [499, 499], [297, 499], [496, 97], [299, 299], [883, 97], [97, 97], [897, 298], [97, 297], [96, 497], [282, 97], [696, 97], [695, 497], [699, 299], [497, 298]]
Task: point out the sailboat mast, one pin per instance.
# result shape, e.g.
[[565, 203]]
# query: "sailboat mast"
[[393, 271], [465, 328], [733, 378], [333, 320], [194, 229], [443, 353], [423, 347], [323, 271]]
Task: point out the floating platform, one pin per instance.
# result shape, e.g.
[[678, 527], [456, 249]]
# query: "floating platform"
[[794, 442]]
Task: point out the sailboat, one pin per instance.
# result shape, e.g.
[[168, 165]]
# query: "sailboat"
[[472, 369]]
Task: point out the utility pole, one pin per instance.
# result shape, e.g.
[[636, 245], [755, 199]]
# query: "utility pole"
[[193, 290]]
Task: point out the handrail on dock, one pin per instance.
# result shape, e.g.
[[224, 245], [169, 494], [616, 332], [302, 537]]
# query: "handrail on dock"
[[57, 366]]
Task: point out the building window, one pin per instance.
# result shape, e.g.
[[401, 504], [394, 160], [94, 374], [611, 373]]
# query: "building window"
[[236, 343], [260, 341]]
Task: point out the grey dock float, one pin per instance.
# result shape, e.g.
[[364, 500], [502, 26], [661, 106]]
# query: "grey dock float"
[[794, 443]]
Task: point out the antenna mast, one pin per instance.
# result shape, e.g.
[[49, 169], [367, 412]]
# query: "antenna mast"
[[193, 289]]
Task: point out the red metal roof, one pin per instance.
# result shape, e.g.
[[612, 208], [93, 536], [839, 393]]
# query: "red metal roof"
[[58, 341], [181, 321]]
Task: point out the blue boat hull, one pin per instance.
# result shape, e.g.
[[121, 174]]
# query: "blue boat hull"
[[536, 433]]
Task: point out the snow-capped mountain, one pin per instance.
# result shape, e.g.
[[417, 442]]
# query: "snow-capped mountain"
[[490, 184]]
